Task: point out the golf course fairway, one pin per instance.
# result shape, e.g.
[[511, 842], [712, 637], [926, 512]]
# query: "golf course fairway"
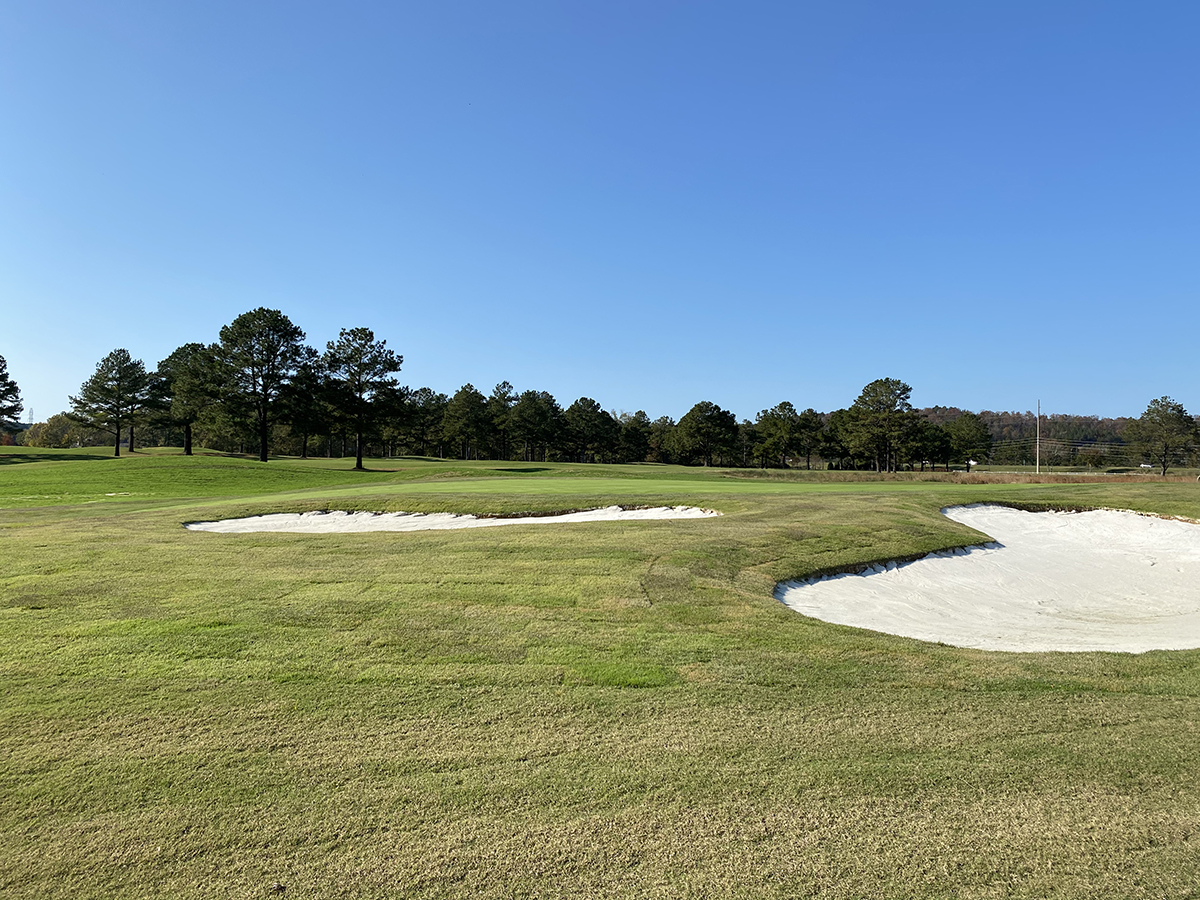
[[607, 709]]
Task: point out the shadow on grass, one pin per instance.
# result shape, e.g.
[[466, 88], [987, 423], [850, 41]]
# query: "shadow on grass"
[[50, 456]]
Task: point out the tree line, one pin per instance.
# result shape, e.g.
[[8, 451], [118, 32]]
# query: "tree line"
[[260, 388]]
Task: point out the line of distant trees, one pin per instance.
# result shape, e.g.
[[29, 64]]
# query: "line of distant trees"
[[259, 388]]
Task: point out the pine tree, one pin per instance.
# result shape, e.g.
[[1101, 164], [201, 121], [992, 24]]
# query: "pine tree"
[[1165, 432], [360, 371], [111, 398], [258, 353], [184, 388], [10, 398]]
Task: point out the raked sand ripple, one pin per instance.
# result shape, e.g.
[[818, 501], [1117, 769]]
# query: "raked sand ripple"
[[353, 522], [1101, 580]]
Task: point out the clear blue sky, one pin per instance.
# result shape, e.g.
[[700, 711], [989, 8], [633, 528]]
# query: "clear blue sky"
[[648, 203]]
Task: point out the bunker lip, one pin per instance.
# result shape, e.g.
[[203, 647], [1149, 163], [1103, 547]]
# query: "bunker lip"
[[343, 522], [1100, 580]]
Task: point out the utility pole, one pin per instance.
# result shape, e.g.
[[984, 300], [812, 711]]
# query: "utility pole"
[[1038, 457]]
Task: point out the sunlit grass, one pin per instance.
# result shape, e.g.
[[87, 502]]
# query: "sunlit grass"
[[607, 709]]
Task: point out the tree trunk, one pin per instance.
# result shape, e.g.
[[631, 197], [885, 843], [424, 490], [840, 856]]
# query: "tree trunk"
[[117, 442], [187, 438], [131, 438], [262, 437], [358, 450]]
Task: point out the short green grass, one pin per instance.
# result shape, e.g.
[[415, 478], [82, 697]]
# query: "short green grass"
[[600, 710]]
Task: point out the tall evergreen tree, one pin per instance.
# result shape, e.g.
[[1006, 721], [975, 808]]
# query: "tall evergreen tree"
[[184, 386], [880, 419], [707, 431], [360, 371], [969, 438], [499, 412], [259, 351], [1164, 433], [834, 446], [777, 433], [536, 421], [934, 444], [465, 422], [591, 431], [634, 445], [424, 414], [662, 440], [115, 393], [747, 443], [809, 427], [395, 409], [305, 399], [10, 399]]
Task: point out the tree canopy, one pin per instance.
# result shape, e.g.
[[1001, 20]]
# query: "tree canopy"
[[466, 422], [969, 438], [118, 389], [258, 352], [184, 387], [10, 398], [1164, 433], [591, 432], [499, 411], [778, 433], [61, 430], [424, 414], [707, 431], [260, 384], [360, 371], [634, 442], [880, 421], [536, 420]]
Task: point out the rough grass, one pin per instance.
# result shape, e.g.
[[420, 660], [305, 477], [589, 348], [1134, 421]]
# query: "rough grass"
[[607, 710]]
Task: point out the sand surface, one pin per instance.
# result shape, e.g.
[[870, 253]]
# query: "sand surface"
[[351, 522], [1102, 580]]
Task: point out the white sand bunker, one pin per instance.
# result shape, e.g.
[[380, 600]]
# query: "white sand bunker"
[[1101, 580], [351, 522]]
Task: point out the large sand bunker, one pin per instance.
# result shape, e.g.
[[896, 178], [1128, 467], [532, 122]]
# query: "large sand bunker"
[[351, 522], [1101, 580]]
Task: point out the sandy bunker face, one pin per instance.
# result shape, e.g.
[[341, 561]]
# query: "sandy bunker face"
[[1101, 580], [352, 522]]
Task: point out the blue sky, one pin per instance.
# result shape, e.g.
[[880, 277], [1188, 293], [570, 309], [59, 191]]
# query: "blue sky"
[[647, 203]]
